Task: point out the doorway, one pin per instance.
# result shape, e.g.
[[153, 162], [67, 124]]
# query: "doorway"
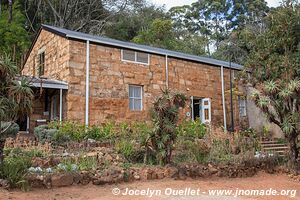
[[201, 109]]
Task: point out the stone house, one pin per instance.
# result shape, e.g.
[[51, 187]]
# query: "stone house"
[[92, 79]]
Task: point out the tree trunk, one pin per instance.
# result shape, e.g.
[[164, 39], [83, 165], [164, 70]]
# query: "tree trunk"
[[10, 2], [0, 7], [2, 142], [293, 148]]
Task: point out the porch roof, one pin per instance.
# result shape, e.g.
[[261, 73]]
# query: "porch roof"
[[46, 83]]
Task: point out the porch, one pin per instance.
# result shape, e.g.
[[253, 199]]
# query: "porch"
[[49, 98]]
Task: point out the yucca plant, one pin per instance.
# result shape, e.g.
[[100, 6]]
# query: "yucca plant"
[[15, 98], [164, 113], [275, 71]]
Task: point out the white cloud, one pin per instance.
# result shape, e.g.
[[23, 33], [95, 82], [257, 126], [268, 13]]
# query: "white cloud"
[[171, 3], [273, 3]]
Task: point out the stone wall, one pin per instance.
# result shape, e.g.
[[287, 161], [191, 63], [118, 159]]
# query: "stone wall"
[[57, 56], [110, 79], [56, 50]]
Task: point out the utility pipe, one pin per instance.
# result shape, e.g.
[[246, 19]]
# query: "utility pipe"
[[223, 99], [87, 82]]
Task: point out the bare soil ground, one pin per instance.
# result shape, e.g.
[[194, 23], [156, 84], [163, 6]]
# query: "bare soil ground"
[[261, 181]]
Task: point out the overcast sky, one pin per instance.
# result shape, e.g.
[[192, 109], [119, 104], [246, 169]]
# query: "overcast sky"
[[172, 3]]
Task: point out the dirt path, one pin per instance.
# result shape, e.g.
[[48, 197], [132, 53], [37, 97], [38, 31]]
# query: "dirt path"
[[92, 192]]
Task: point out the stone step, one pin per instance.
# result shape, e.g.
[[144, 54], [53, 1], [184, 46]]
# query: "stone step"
[[270, 142], [275, 148], [273, 145]]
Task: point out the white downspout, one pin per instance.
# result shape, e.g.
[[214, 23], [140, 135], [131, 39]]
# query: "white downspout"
[[87, 82], [223, 98], [60, 105], [167, 73]]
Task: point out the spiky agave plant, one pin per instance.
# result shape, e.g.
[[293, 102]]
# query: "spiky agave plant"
[[280, 101], [165, 117], [15, 98]]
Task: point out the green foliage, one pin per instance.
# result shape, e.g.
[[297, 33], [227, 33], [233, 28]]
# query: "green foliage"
[[87, 163], [159, 34], [126, 148], [246, 141], [67, 131], [273, 60], [220, 152], [14, 39], [191, 130], [15, 166], [43, 133], [160, 141], [11, 129], [188, 151]]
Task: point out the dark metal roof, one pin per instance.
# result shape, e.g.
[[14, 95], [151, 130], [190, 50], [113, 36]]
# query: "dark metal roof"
[[129, 45], [44, 82]]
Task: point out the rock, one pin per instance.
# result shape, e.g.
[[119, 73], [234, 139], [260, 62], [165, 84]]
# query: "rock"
[[4, 183], [60, 180], [85, 177], [170, 172], [212, 169], [77, 178], [35, 180], [137, 177]]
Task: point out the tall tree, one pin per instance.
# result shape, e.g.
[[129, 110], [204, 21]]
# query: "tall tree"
[[162, 34], [80, 15], [215, 20], [134, 19], [274, 63], [14, 38]]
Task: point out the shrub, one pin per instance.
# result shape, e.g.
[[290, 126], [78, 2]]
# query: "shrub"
[[126, 148], [43, 133], [191, 130], [191, 151], [15, 166], [246, 141], [220, 152], [159, 144], [11, 131]]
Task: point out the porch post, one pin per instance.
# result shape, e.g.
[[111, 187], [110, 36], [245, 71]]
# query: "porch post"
[[60, 105]]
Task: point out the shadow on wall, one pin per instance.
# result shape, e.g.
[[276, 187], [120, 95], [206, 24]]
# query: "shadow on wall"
[[258, 121]]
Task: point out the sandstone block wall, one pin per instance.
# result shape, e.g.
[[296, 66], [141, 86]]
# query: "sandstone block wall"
[[110, 78]]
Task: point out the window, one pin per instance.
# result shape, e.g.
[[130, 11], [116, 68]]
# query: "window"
[[133, 56], [41, 66], [242, 106], [201, 108], [135, 97]]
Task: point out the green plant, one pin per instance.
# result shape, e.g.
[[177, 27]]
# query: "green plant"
[[43, 133], [125, 147], [191, 130], [220, 152], [191, 151], [87, 163], [11, 128], [159, 144], [15, 165]]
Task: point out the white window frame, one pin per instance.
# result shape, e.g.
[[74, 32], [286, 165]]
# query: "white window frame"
[[244, 107], [135, 57], [135, 98], [203, 107]]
